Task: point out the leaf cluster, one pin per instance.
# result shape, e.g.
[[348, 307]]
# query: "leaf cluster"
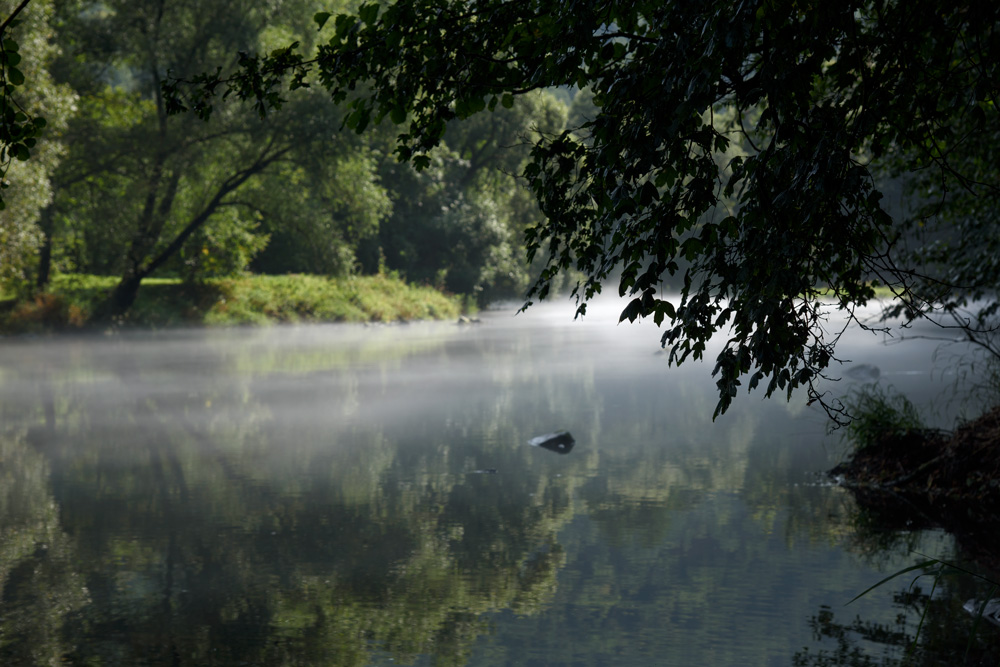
[[19, 131]]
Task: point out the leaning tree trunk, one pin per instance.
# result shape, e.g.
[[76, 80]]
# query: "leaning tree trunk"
[[120, 299], [161, 190], [124, 295]]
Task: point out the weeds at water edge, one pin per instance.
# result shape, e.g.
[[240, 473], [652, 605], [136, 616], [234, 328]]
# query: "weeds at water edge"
[[878, 413]]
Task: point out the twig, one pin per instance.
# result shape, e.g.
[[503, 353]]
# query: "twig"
[[13, 15]]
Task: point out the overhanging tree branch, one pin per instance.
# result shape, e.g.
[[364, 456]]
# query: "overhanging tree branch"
[[13, 15], [639, 195]]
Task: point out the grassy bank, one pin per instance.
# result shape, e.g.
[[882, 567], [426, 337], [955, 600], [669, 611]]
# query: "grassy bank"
[[72, 300]]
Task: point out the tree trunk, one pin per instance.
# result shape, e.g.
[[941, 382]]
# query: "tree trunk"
[[45, 254], [122, 298]]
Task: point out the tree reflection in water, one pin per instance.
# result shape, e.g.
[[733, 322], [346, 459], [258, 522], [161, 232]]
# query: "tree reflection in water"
[[146, 527], [933, 625], [311, 496], [947, 636]]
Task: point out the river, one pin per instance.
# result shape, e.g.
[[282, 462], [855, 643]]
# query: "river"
[[349, 495]]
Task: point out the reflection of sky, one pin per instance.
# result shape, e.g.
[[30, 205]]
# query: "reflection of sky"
[[685, 541]]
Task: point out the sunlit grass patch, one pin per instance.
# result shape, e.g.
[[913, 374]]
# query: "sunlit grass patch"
[[255, 300], [303, 298], [881, 292]]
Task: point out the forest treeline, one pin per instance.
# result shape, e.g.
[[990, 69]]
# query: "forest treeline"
[[118, 186]]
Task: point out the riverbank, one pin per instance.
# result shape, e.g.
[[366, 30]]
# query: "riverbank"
[[941, 467], [250, 300], [925, 479]]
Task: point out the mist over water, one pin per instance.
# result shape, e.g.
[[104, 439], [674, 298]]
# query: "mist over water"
[[356, 495]]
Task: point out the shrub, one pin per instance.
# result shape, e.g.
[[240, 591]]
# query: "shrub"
[[44, 311], [878, 414]]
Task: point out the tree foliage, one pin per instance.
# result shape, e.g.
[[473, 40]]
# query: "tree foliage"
[[951, 229], [142, 192], [822, 92], [459, 222], [18, 129], [30, 100]]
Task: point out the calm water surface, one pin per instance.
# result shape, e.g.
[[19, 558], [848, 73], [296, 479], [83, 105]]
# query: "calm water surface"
[[344, 495]]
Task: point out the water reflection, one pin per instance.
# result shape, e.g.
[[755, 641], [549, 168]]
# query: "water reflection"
[[931, 627], [341, 495]]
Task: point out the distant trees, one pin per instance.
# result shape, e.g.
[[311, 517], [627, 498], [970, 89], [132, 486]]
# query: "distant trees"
[[951, 228], [28, 94], [821, 94], [458, 223], [143, 192]]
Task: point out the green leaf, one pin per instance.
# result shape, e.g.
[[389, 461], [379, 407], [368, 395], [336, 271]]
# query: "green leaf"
[[15, 76], [691, 248], [354, 118], [632, 311], [648, 194], [368, 13], [344, 23], [507, 101], [363, 120], [321, 18], [665, 177], [664, 309], [397, 115]]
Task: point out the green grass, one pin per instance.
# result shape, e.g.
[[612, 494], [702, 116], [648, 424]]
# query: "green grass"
[[881, 292], [876, 414], [300, 298], [258, 300]]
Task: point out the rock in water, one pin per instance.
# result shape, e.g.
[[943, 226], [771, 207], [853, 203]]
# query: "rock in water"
[[989, 608], [560, 441]]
